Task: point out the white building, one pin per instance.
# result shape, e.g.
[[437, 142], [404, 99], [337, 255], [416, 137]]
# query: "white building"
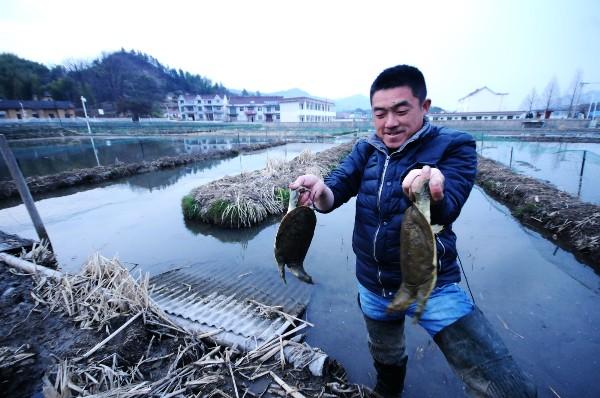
[[262, 109], [307, 110], [206, 107], [482, 100], [490, 115]]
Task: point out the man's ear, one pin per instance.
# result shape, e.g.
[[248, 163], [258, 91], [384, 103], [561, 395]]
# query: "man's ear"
[[426, 105]]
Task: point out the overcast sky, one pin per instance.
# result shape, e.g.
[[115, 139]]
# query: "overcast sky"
[[331, 49]]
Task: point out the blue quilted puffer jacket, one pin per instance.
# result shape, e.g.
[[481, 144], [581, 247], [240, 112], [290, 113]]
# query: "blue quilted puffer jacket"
[[374, 176]]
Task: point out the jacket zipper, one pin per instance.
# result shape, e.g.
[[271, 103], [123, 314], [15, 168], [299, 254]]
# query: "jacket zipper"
[[387, 160]]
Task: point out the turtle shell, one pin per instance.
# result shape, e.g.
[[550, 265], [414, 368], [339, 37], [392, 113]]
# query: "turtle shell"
[[294, 235]]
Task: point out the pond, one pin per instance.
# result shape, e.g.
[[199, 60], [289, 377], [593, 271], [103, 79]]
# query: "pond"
[[540, 299], [560, 163], [39, 157]]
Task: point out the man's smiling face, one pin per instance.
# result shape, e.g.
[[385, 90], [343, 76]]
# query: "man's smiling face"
[[397, 115]]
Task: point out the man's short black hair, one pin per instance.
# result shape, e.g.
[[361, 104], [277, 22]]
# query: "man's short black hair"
[[398, 76]]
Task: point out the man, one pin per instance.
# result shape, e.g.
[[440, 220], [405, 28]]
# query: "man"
[[383, 172]]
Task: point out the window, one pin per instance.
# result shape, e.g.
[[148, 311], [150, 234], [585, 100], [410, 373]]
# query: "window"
[[208, 101], [509, 117], [478, 118], [494, 117], [301, 106], [241, 108]]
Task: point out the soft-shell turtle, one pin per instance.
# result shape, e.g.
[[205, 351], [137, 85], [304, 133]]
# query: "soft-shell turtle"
[[418, 259], [293, 238]]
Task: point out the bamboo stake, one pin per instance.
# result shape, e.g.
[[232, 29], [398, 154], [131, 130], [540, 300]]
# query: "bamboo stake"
[[106, 340]]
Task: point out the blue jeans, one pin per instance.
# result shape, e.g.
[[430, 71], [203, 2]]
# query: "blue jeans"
[[446, 305]]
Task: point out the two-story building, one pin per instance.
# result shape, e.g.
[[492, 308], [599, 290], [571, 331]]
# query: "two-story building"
[[307, 110], [264, 109]]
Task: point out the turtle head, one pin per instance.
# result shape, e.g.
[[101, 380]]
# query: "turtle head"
[[293, 202]]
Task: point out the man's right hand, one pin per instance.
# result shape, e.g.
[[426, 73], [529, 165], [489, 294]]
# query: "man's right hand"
[[316, 192]]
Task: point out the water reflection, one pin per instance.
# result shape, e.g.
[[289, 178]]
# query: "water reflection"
[[570, 167], [51, 156]]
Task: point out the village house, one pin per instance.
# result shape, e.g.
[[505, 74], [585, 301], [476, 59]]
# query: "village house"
[[307, 110], [45, 109], [484, 115], [482, 100], [254, 109], [205, 107]]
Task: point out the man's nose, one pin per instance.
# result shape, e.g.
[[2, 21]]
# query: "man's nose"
[[391, 120]]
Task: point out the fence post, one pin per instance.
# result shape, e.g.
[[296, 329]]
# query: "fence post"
[[17, 176], [511, 155], [583, 163]]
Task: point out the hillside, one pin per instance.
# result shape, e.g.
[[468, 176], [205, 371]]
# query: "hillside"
[[128, 82]]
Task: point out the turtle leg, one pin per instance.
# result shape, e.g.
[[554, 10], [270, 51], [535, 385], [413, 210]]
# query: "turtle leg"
[[281, 267], [298, 270]]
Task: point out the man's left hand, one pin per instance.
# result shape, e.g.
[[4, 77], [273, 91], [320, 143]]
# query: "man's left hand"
[[415, 179]]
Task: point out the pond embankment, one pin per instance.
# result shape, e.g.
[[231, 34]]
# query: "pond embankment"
[[249, 198], [99, 174], [571, 223]]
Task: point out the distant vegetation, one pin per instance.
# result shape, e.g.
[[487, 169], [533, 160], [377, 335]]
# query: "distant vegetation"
[[127, 82]]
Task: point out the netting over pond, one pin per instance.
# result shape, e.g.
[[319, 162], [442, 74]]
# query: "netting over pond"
[[249, 198]]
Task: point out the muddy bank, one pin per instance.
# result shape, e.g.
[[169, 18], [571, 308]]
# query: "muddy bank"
[[101, 174], [52, 343], [247, 199], [571, 223]]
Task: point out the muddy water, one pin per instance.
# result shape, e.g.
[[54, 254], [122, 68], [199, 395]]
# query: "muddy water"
[[541, 300], [558, 163]]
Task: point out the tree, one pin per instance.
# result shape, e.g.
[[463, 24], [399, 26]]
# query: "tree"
[[549, 96], [576, 84], [530, 100], [244, 93]]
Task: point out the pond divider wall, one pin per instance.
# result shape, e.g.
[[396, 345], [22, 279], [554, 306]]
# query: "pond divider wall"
[[561, 217], [99, 174], [249, 198]]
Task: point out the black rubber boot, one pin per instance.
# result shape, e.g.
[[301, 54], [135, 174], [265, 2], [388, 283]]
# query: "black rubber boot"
[[478, 355], [390, 379]]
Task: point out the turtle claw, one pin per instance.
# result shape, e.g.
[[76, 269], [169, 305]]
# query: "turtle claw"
[[282, 272], [298, 271]]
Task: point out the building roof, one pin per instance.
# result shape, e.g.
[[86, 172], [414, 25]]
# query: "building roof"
[[16, 104], [481, 89], [254, 100], [314, 99]]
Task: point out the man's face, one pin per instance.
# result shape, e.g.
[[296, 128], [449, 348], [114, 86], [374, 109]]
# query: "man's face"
[[397, 115]]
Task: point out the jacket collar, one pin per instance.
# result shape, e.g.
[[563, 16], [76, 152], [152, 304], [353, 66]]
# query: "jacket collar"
[[374, 140]]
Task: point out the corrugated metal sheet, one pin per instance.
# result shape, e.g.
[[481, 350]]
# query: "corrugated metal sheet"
[[219, 296]]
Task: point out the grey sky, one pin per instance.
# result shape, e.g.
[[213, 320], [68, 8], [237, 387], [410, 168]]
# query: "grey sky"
[[329, 48]]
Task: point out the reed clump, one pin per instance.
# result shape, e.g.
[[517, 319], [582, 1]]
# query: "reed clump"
[[249, 198]]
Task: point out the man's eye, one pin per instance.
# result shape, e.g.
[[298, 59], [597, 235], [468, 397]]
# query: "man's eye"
[[402, 112], [379, 115]]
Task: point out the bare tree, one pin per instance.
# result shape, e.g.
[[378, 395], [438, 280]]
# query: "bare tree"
[[530, 100], [574, 86], [550, 94]]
